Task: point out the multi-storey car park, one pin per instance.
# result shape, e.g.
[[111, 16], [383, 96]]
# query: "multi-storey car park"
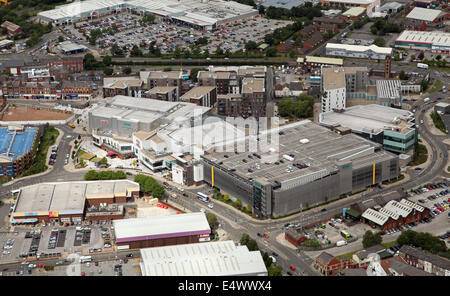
[[16, 149], [199, 14], [315, 165]]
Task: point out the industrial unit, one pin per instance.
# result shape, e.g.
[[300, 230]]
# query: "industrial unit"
[[199, 14], [311, 165], [393, 128], [69, 201], [222, 258], [436, 41], [160, 231], [358, 51], [16, 149]]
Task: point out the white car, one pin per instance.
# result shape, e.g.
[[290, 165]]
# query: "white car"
[[210, 206], [202, 210]]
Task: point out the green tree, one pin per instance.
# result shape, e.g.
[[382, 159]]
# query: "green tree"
[[244, 239], [177, 53], [249, 208], [271, 52], [252, 245], [403, 76], [194, 72], [91, 175], [136, 51], [370, 239], [251, 45], [60, 38], [212, 220], [379, 42], [274, 270], [108, 71], [226, 197], [127, 70], [104, 161]]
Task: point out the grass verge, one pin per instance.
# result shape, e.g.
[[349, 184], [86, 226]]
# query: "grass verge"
[[437, 86], [438, 123], [420, 155]]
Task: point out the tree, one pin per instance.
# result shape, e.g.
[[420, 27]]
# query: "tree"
[[244, 239], [127, 70], [108, 71], [251, 45], [271, 52], [177, 53], [226, 197], [252, 245], [91, 175], [438, 57], [136, 51], [249, 208], [60, 38], [261, 9], [292, 53], [194, 72], [202, 41], [107, 60], [379, 42], [274, 270], [212, 220], [370, 239], [403, 75]]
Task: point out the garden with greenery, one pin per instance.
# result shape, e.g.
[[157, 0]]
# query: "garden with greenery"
[[237, 203], [40, 151], [420, 155]]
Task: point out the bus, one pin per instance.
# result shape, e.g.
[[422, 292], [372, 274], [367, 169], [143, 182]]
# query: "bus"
[[203, 197], [345, 234], [84, 259]]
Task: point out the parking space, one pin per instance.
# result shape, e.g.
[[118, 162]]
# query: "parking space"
[[436, 197], [127, 267], [125, 30]]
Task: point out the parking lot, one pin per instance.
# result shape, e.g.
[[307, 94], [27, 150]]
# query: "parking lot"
[[436, 198], [52, 241], [129, 32]]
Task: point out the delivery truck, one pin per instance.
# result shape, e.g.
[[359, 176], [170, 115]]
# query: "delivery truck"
[[422, 66]]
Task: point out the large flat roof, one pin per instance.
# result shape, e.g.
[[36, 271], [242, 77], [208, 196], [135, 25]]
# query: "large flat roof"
[[360, 48], [14, 144], [222, 258], [334, 77], [371, 118], [428, 37], [67, 197], [425, 14], [161, 227], [310, 144]]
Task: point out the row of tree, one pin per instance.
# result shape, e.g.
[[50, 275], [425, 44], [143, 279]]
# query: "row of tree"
[[424, 240], [104, 175], [150, 186]]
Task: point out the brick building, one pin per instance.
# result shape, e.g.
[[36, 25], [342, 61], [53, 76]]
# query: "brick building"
[[225, 82], [163, 93], [315, 40], [294, 237], [426, 261], [328, 265], [201, 95], [12, 28], [157, 231]]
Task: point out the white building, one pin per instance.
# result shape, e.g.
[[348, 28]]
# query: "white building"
[[358, 51], [202, 259]]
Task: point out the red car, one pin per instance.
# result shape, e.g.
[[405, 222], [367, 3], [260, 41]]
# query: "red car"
[[266, 235], [165, 183], [83, 274], [440, 209], [292, 267]]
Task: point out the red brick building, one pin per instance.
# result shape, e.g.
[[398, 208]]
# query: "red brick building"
[[315, 40], [12, 28], [328, 265], [294, 237]]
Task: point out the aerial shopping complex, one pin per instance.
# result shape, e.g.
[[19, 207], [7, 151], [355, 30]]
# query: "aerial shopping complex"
[[225, 138]]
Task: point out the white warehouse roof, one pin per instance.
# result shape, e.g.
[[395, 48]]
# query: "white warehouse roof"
[[399, 208], [412, 205], [360, 48], [432, 37], [161, 227], [425, 14], [374, 216], [202, 259]]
